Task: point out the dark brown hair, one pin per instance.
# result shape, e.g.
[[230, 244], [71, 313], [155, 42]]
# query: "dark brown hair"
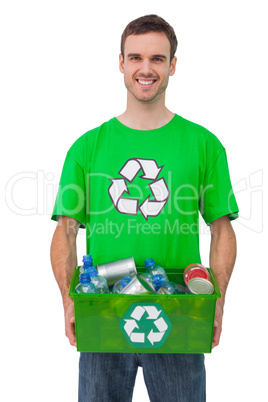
[[150, 23]]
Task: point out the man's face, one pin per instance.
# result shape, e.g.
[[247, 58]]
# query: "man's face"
[[146, 66]]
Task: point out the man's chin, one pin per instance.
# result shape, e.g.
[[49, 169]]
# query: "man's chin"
[[145, 98]]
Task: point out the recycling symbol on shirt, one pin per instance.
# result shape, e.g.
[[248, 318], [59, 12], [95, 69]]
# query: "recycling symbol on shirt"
[[158, 187], [145, 325]]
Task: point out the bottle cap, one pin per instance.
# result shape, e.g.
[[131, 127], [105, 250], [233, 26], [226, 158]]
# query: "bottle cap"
[[87, 259], [92, 271], [84, 277], [159, 279], [125, 280], [149, 262]]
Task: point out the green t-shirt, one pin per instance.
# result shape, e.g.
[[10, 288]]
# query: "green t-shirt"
[[139, 192]]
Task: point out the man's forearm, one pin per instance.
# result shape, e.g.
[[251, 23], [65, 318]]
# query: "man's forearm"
[[222, 253], [63, 260]]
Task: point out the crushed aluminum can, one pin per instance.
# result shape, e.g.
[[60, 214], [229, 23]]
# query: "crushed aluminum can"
[[138, 286]]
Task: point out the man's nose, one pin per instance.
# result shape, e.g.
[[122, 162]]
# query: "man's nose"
[[146, 67]]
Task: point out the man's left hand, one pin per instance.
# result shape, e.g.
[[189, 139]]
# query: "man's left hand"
[[217, 324]]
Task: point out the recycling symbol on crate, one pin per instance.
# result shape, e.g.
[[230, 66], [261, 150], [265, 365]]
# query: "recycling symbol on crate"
[[145, 325], [158, 187]]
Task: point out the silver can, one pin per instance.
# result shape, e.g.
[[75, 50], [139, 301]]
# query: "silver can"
[[113, 271], [200, 286], [138, 286]]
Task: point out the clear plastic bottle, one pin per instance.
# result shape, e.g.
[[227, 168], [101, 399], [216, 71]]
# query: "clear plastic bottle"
[[119, 285], [99, 281], [87, 263], [154, 269], [166, 287], [85, 285], [150, 279]]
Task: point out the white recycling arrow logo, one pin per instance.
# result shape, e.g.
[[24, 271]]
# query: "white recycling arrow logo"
[[158, 188], [153, 314]]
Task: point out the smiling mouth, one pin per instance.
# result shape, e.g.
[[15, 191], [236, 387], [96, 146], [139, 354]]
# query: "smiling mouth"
[[145, 83]]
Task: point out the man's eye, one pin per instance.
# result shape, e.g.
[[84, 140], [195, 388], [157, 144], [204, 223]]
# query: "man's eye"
[[158, 59], [135, 58]]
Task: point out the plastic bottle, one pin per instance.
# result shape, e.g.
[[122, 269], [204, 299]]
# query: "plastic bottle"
[[150, 279], [87, 263], [154, 269], [119, 285], [170, 287], [99, 281], [85, 285]]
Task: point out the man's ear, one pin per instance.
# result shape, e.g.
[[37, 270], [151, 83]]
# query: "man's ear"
[[173, 66], [121, 63]]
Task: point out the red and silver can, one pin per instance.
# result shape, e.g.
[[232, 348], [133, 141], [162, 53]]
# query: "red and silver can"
[[195, 271]]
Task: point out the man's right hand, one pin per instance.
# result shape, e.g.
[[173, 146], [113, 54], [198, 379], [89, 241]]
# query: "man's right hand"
[[69, 323], [63, 260]]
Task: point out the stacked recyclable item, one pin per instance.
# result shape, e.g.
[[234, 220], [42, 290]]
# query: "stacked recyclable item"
[[90, 281], [121, 277]]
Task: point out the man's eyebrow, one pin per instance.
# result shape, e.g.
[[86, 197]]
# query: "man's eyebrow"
[[133, 55], [162, 56]]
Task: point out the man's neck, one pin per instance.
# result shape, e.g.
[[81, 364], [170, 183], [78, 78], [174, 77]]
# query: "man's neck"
[[142, 116]]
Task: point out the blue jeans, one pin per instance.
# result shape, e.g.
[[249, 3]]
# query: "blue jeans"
[[110, 377]]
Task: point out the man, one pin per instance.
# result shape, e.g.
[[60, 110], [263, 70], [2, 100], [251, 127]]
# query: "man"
[[137, 183]]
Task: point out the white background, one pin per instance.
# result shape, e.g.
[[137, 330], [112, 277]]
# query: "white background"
[[60, 78]]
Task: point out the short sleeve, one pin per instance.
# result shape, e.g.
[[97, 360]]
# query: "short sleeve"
[[70, 199], [217, 198]]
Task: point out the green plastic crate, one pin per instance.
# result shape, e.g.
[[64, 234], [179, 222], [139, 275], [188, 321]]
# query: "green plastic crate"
[[144, 323]]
